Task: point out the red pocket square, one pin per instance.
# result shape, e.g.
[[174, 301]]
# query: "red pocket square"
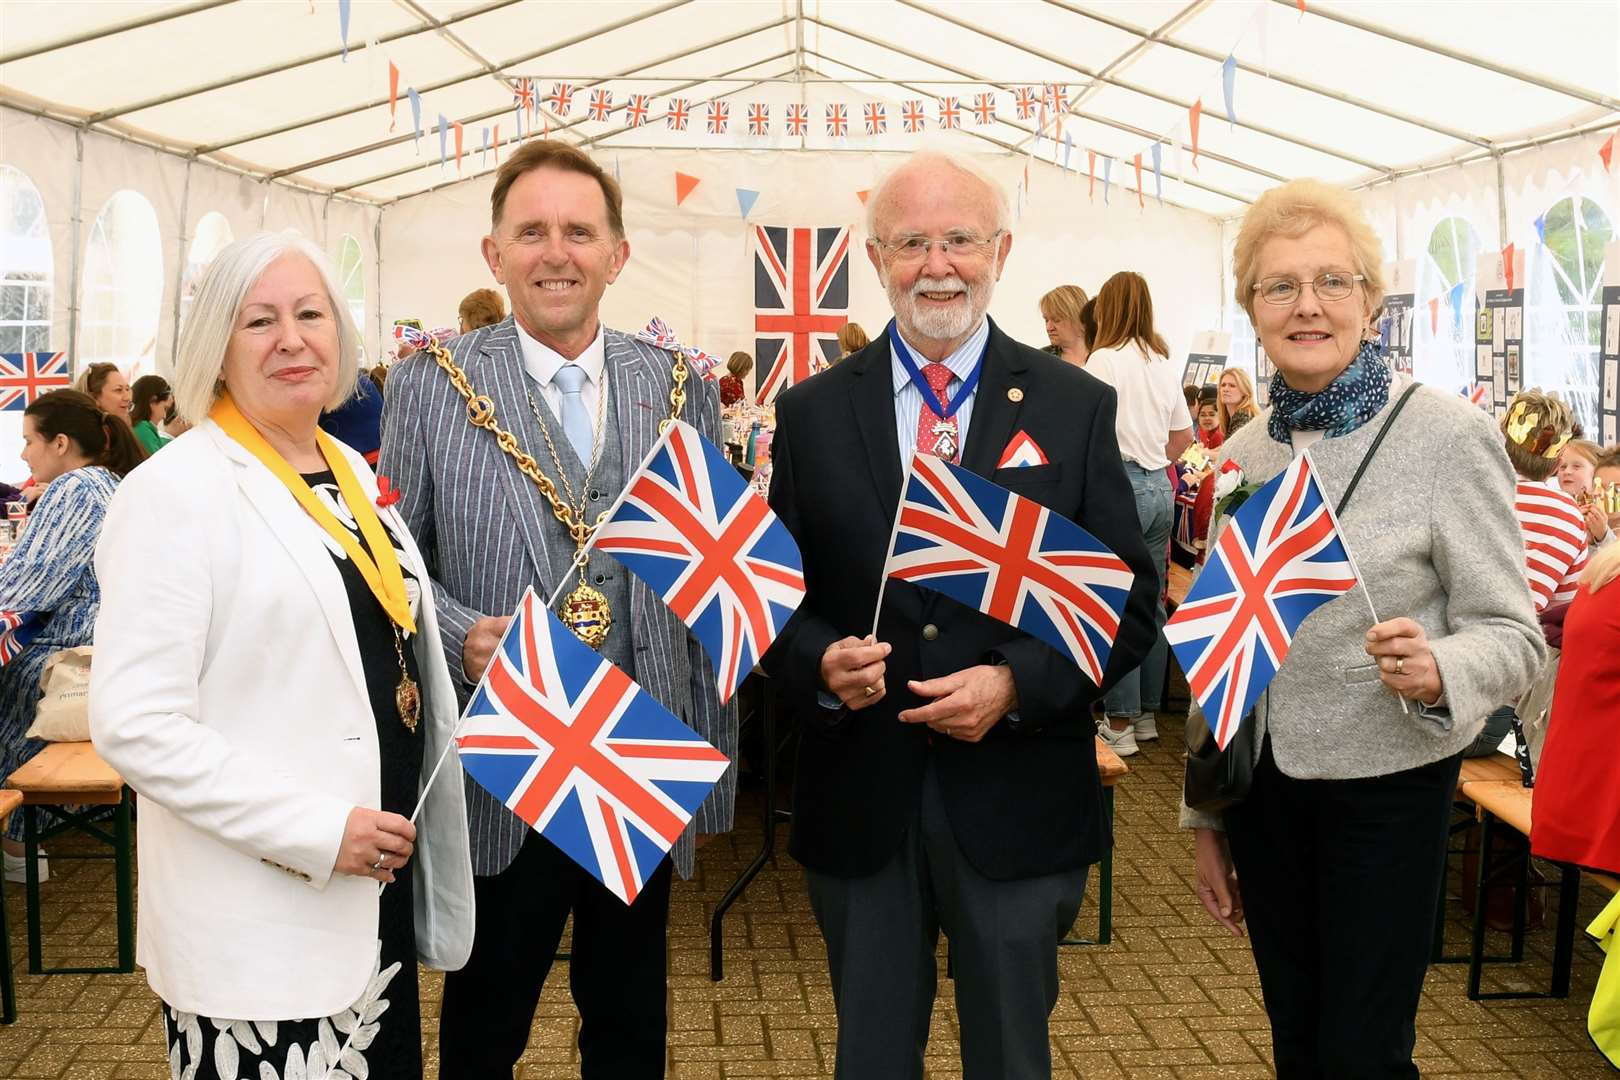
[[1021, 452]]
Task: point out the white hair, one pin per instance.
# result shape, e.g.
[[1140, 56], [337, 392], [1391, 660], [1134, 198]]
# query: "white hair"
[[998, 194], [200, 355]]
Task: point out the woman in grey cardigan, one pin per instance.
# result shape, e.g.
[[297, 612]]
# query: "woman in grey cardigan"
[[1340, 845]]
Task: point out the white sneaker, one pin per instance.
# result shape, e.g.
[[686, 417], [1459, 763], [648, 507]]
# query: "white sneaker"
[[16, 869], [1146, 727], [1122, 743]]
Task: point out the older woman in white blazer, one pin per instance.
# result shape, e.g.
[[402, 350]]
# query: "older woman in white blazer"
[[268, 678]]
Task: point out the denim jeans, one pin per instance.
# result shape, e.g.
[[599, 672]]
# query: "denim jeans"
[[1155, 503]]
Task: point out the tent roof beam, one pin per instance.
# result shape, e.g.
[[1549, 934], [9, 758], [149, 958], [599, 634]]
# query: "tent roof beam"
[[1343, 155], [286, 65], [1554, 85], [1278, 77], [150, 19]]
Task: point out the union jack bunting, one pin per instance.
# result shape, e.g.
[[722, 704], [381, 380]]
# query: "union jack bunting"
[[911, 115], [801, 301], [587, 758], [1010, 558], [636, 108], [601, 104], [562, 98], [680, 111], [984, 109], [1478, 394], [691, 528], [838, 120], [660, 336], [877, 118], [759, 119], [17, 629], [1056, 95], [25, 376], [523, 94], [798, 119], [719, 117], [1279, 558], [950, 113], [1026, 101]]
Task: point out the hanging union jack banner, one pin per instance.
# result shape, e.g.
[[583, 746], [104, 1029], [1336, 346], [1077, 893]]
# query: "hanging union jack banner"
[[801, 301], [877, 118], [719, 117], [950, 113], [759, 119], [587, 758], [1026, 102], [1010, 558], [911, 115], [680, 111], [562, 98], [838, 120], [601, 104], [636, 109], [25, 376], [798, 119], [984, 109], [1278, 559], [691, 527]]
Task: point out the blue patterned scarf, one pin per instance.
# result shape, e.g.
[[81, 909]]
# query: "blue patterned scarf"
[[1349, 401]]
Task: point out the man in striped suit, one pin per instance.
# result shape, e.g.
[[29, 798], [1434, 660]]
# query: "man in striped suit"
[[585, 403]]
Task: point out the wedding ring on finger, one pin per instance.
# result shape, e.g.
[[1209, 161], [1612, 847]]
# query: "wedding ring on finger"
[[1400, 665]]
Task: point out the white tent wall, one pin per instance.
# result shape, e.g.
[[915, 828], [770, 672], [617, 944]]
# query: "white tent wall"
[[692, 265], [48, 152]]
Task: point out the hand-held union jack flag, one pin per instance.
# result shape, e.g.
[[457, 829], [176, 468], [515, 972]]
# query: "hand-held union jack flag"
[[17, 630], [1278, 559], [25, 376], [801, 301], [1011, 558], [692, 529], [590, 760]]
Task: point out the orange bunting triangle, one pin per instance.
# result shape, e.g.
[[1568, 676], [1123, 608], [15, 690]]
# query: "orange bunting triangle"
[[1139, 202], [1434, 316], [1606, 152], [1301, 5], [1507, 266], [1193, 116], [393, 92], [457, 127], [1091, 175], [684, 185], [862, 195]]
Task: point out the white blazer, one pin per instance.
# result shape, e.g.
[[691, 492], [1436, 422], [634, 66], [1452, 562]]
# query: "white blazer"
[[227, 689]]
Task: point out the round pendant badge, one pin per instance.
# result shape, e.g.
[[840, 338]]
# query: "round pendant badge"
[[586, 612], [408, 700]]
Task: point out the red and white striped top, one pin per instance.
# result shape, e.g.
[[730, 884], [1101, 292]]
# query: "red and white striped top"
[[1555, 542]]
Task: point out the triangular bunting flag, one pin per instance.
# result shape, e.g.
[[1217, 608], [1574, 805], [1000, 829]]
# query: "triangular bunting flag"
[[683, 186], [1108, 169], [1091, 174], [497, 145], [393, 92], [457, 128], [1541, 230], [343, 27], [746, 199], [444, 133], [1068, 148], [1606, 152], [416, 116], [1456, 299], [861, 195], [1139, 202], [1229, 86], [1507, 265], [483, 149], [1158, 184], [1434, 317], [1193, 116]]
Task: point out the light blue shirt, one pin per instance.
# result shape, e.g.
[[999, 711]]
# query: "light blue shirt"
[[908, 397]]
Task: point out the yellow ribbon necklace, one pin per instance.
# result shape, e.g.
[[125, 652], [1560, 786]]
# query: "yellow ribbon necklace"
[[382, 574]]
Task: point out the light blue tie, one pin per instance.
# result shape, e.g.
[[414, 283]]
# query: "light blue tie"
[[576, 419]]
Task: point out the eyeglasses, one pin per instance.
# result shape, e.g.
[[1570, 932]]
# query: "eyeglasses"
[[1333, 285], [914, 248]]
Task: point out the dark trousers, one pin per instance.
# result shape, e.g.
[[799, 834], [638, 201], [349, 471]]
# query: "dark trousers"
[[1340, 879], [882, 932], [617, 972]]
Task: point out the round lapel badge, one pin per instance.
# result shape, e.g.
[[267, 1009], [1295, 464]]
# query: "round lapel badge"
[[1014, 394]]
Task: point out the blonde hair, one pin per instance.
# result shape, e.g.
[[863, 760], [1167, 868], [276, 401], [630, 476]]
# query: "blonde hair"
[[1064, 304], [1247, 405], [199, 360], [851, 338], [1602, 568], [739, 364], [1588, 449], [1294, 209], [1123, 311]]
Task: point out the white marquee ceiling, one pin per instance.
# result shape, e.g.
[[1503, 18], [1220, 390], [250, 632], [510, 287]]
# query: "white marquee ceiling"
[[1349, 91]]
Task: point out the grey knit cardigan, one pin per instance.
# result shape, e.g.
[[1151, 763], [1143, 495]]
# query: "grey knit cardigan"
[[1433, 532]]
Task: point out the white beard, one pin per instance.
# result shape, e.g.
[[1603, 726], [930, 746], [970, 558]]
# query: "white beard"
[[935, 324]]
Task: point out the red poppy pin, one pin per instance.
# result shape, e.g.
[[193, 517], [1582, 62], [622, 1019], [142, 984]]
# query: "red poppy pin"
[[387, 493]]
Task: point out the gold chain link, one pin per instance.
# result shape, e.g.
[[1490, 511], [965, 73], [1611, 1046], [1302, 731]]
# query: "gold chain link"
[[481, 413]]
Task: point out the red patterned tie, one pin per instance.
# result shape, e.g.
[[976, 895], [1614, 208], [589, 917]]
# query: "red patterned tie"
[[935, 434]]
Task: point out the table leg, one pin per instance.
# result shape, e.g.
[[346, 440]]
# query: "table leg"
[[126, 883], [766, 849]]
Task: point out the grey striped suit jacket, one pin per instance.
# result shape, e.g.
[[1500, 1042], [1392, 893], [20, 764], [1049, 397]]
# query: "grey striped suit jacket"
[[486, 534]]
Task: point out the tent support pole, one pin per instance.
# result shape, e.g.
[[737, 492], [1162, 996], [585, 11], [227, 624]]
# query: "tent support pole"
[[73, 256], [1501, 202], [376, 241], [180, 262]]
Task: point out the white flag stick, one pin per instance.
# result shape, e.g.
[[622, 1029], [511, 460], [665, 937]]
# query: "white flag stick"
[[888, 552], [1344, 541]]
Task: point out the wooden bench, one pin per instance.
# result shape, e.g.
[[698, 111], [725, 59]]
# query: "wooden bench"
[[1493, 785], [61, 776], [9, 801]]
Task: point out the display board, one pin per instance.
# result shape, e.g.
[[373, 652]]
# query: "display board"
[[1609, 367], [1207, 358], [1395, 323], [1499, 327], [1264, 369]]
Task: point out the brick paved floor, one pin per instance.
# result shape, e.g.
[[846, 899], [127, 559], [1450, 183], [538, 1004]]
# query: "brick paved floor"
[[1171, 997]]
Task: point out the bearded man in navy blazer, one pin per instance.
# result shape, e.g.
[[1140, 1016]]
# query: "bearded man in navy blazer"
[[947, 776]]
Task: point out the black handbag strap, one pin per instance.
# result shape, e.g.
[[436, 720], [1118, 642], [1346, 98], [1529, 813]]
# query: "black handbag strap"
[[1366, 459]]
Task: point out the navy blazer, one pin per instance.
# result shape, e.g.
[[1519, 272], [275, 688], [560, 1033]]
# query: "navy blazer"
[[1022, 802]]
